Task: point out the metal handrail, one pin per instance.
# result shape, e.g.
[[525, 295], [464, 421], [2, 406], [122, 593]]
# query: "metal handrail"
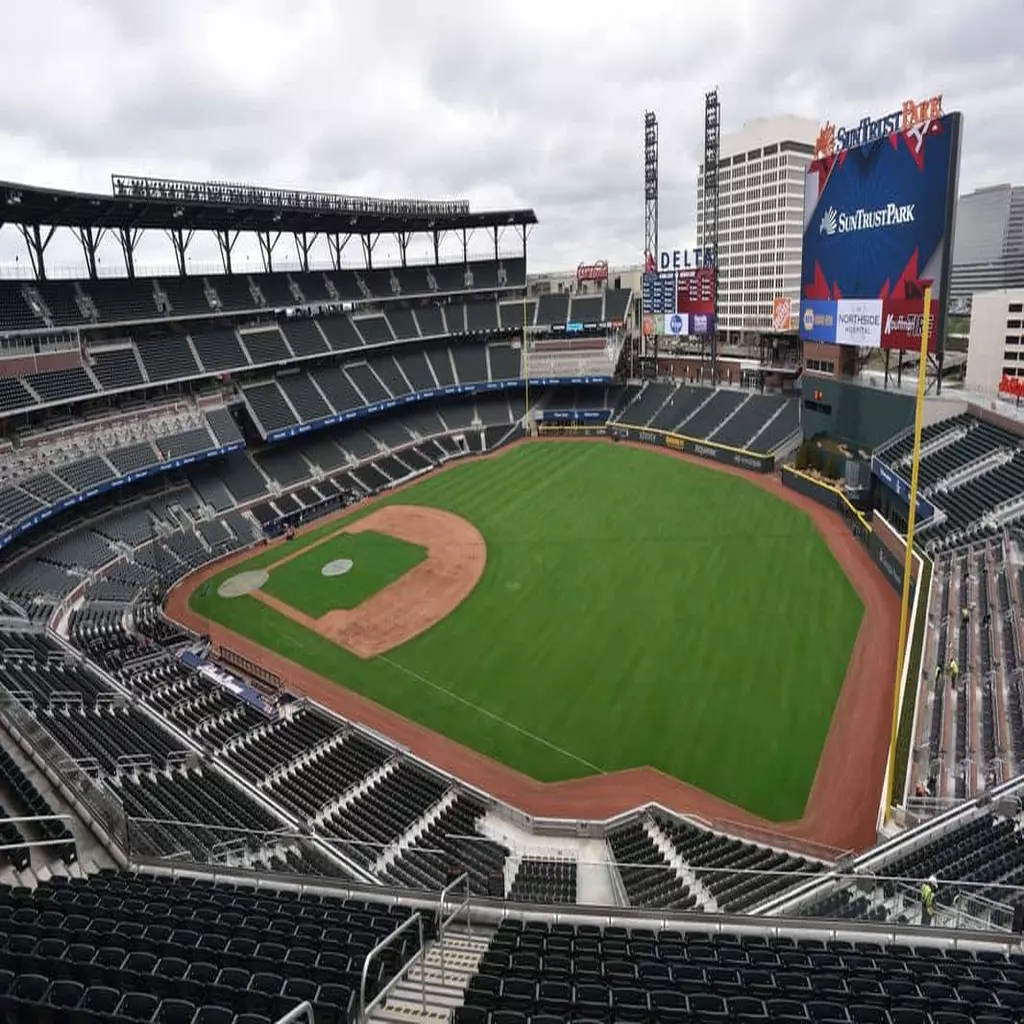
[[442, 921], [415, 919], [302, 1010]]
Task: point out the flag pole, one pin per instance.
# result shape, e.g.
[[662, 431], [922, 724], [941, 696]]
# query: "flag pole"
[[908, 562]]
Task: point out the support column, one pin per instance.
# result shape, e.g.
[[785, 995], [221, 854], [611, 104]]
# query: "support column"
[[303, 243], [90, 240], [268, 243], [465, 247], [36, 245], [180, 241], [129, 237], [369, 244], [437, 247], [337, 245], [226, 242], [497, 235], [403, 238]]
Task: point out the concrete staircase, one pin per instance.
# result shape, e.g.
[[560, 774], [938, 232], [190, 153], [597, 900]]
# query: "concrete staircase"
[[445, 990]]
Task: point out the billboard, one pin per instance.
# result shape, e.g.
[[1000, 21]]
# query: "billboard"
[[782, 314], [682, 300], [878, 219], [592, 271]]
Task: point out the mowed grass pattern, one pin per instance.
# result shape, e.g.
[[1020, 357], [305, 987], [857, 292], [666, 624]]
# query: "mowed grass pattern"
[[377, 560], [634, 610]]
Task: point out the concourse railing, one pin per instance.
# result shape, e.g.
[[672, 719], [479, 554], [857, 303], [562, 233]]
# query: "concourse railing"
[[443, 922], [415, 921]]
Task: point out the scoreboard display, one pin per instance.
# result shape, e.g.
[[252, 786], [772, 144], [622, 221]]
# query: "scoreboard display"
[[695, 291]]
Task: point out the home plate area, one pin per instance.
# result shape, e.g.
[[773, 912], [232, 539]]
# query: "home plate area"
[[374, 584]]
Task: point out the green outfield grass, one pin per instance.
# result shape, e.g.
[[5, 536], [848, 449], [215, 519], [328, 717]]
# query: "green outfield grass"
[[635, 609], [377, 560]]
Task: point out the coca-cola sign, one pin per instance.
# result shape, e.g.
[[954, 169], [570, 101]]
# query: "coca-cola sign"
[[903, 322], [592, 271]]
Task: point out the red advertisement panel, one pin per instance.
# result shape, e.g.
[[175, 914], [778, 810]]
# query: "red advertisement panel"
[[695, 291], [902, 323]]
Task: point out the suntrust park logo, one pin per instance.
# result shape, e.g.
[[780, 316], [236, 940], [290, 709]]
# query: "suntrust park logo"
[[890, 215], [910, 115]]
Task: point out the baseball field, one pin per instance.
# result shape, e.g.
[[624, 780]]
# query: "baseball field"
[[574, 609]]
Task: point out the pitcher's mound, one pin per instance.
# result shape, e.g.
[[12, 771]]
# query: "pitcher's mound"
[[338, 567], [243, 583]]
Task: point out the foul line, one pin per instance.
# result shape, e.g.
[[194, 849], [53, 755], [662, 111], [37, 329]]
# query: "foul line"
[[490, 714]]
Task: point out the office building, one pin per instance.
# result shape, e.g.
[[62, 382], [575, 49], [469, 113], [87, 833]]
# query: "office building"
[[760, 220], [988, 243], [995, 346]]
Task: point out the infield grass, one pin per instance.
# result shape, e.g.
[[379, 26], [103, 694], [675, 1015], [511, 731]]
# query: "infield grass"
[[377, 560], [635, 609]]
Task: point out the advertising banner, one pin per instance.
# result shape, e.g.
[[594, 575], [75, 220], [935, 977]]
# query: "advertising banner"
[[782, 314], [878, 218], [592, 271], [903, 322], [703, 449], [702, 323], [900, 487], [677, 324], [859, 322], [818, 321]]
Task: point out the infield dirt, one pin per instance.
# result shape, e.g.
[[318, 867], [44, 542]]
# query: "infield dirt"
[[456, 555], [841, 812]]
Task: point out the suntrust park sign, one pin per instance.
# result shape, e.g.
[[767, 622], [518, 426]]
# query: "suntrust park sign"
[[832, 140]]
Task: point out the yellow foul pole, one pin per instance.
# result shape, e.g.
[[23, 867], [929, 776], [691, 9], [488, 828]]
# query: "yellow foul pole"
[[909, 557], [526, 359]]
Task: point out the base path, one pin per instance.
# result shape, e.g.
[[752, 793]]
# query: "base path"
[[842, 808], [456, 555]]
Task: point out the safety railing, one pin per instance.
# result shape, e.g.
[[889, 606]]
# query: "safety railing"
[[415, 921], [78, 787], [443, 922], [304, 1011]]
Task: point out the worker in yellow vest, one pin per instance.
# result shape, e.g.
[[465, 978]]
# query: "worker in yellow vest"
[[928, 900], [954, 670]]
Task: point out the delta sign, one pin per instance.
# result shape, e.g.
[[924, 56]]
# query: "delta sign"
[[680, 259]]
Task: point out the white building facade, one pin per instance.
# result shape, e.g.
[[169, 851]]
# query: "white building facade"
[[995, 346], [988, 242], [760, 220]]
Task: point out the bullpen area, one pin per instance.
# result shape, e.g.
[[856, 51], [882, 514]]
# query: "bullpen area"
[[572, 609]]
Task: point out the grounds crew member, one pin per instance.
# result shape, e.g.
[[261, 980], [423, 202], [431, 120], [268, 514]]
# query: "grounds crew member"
[[954, 670], [965, 614], [928, 900]]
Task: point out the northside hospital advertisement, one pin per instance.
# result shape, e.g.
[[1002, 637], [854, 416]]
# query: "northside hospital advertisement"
[[878, 210]]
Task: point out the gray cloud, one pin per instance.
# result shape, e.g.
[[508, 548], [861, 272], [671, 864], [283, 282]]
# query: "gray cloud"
[[504, 104]]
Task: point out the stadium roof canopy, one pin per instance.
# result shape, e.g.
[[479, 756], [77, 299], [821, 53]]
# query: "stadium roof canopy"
[[162, 203]]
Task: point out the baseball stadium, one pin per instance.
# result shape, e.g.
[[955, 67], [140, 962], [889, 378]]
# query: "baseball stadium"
[[423, 642]]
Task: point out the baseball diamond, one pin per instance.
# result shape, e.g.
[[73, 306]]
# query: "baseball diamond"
[[708, 665]]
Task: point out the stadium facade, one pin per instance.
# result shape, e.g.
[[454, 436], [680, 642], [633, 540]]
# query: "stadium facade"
[[762, 171]]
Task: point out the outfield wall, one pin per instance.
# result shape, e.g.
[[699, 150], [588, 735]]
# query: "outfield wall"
[[888, 551], [722, 453]]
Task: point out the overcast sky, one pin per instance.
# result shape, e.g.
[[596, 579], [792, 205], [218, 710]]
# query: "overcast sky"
[[506, 104]]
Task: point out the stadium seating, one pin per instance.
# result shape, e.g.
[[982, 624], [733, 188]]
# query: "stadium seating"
[[543, 972], [972, 471], [761, 423], [120, 948]]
